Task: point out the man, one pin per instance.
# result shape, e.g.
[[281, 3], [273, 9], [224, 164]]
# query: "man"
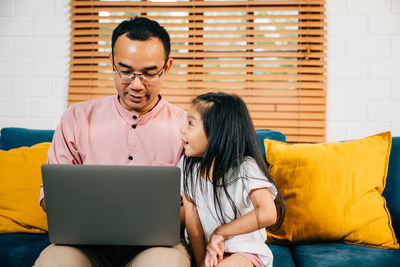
[[134, 127]]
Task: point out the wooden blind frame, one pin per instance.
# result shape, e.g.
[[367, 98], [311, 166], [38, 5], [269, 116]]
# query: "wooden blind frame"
[[271, 53]]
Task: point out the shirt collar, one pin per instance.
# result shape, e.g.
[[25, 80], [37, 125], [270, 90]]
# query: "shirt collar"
[[134, 118]]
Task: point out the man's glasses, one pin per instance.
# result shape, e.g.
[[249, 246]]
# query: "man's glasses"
[[127, 77]]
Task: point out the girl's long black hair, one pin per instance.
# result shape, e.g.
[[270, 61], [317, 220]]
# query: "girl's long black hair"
[[231, 137]]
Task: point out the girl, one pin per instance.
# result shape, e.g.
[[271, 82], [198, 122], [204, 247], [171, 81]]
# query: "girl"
[[229, 194]]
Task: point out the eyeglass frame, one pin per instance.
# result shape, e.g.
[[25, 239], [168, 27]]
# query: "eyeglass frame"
[[140, 75]]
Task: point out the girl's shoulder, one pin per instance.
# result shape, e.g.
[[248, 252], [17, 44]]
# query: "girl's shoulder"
[[249, 168], [253, 177], [249, 159], [248, 162]]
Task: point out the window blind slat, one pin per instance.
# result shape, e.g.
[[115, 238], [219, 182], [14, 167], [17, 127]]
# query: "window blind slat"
[[195, 17], [302, 39], [197, 3], [135, 7], [178, 69], [254, 92], [302, 62], [79, 25], [220, 32], [221, 77], [211, 84], [225, 54], [94, 47]]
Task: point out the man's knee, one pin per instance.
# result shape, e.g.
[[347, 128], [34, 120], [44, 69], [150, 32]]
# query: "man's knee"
[[176, 256], [60, 256]]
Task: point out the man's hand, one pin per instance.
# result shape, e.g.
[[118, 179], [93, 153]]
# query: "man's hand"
[[43, 205]]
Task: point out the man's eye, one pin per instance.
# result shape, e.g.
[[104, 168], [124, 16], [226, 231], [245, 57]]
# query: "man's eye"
[[125, 72], [190, 123], [149, 75]]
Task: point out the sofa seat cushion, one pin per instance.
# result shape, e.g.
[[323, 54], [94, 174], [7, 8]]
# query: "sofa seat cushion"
[[339, 254], [282, 256], [13, 137], [21, 250]]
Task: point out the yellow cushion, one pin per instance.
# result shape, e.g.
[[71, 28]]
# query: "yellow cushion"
[[20, 179], [332, 191]]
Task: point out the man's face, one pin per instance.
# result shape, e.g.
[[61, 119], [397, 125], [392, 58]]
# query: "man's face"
[[140, 57]]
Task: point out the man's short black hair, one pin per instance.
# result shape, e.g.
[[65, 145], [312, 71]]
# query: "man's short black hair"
[[142, 29]]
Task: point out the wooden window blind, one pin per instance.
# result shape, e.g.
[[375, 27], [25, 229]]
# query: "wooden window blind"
[[271, 53]]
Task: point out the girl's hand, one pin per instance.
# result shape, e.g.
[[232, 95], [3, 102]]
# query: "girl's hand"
[[210, 261], [215, 250]]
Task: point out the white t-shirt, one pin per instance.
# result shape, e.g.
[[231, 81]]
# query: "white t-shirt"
[[247, 178]]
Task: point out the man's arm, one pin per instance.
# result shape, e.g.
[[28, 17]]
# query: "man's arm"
[[63, 149]]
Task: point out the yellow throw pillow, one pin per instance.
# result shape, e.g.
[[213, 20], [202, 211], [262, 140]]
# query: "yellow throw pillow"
[[20, 180], [333, 191]]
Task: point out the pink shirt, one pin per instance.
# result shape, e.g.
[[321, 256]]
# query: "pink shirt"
[[101, 131]]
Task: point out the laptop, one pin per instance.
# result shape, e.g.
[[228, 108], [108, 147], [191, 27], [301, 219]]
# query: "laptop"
[[112, 205]]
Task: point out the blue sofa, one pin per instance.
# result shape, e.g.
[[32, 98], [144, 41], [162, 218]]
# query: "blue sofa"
[[23, 249]]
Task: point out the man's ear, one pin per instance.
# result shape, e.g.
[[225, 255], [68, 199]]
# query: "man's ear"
[[168, 65], [111, 60]]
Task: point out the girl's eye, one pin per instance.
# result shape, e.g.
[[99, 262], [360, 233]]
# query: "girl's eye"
[[190, 123], [125, 72]]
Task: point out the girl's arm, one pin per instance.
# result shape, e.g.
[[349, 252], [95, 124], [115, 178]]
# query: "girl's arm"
[[263, 215], [195, 231]]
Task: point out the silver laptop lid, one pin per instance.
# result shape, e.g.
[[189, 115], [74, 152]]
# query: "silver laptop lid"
[[112, 205]]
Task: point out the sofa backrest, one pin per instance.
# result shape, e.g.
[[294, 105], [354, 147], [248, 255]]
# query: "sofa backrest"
[[13, 137], [270, 134], [392, 188]]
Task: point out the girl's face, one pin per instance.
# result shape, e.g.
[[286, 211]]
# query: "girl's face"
[[193, 135]]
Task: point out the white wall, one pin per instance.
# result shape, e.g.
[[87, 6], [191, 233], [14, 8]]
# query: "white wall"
[[363, 65], [34, 48], [363, 94]]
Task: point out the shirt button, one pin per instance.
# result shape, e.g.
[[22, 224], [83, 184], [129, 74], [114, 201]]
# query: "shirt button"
[[134, 117], [130, 158], [134, 126]]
